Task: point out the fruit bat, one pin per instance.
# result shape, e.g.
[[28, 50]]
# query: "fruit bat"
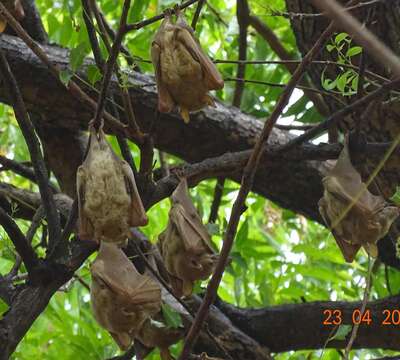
[[16, 9], [184, 74], [185, 244], [369, 217], [122, 299], [108, 199], [154, 333]]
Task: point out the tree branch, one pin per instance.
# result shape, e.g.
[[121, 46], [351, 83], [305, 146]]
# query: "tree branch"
[[22, 170], [22, 246], [242, 15], [35, 153]]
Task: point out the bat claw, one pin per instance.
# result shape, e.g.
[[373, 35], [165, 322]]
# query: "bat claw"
[[185, 115]]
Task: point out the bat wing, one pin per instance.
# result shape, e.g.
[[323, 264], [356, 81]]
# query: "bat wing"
[[211, 73], [348, 250], [165, 100], [137, 214], [86, 231], [192, 225]]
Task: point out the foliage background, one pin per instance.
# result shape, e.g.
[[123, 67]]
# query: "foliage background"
[[278, 258]]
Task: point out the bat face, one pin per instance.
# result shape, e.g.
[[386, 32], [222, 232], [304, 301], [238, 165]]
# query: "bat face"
[[122, 299], [109, 202], [184, 73], [185, 245], [368, 217]]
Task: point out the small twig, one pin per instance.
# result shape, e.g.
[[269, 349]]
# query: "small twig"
[[305, 88], [127, 102], [292, 15], [163, 163], [156, 18], [331, 120], [217, 14], [377, 49], [362, 310], [197, 13], [35, 152], [82, 282], [35, 223], [71, 222], [72, 87], [295, 127], [277, 46], [246, 185], [87, 17], [22, 170], [107, 29], [218, 192], [242, 15], [22, 246], [98, 117]]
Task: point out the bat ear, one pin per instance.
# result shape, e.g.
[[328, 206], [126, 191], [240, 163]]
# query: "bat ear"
[[19, 10]]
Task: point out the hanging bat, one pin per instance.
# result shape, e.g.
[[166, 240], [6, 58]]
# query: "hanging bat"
[[185, 244], [108, 199], [15, 8], [154, 333], [122, 299], [184, 74], [369, 217]]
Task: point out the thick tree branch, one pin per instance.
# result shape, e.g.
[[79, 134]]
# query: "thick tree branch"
[[293, 327]]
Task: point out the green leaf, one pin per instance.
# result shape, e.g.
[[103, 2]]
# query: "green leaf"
[[341, 333], [354, 51], [242, 235], [172, 318], [3, 308], [65, 76], [396, 196], [93, 74], [77, 55], [330, 47], [137, 10], [213, 229], [340, 37]]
